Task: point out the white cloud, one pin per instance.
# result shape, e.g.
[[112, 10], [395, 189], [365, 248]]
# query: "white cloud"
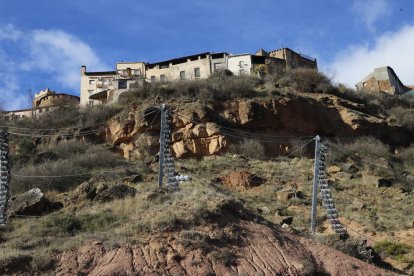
[[9, 32], [369, 11], [52, 53], [390, 49], [61, 54]]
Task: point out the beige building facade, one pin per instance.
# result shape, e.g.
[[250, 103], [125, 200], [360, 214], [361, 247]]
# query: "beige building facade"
[[44, 101], [103, 87]]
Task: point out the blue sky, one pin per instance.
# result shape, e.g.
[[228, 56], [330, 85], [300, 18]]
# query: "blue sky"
[[43, 43]]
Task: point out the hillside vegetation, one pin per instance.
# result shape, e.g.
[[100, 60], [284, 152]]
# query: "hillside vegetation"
[[244, 192]]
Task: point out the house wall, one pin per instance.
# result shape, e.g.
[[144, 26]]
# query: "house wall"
[[383, 79], [172, 71], [58, 99], [93, 83], [293, 59], [240, 64], [129, 69]]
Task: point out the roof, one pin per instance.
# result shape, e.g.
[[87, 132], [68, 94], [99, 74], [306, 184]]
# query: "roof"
[[107, 73], [128, 62]]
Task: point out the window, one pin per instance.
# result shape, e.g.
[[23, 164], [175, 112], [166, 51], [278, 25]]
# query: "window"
[[162, 78], [241, 64], [137, 72], [91, 82], [90, 103], [218, 66], [197, 72], [152, 78], [182, 75], [90, 92], [122, 84]]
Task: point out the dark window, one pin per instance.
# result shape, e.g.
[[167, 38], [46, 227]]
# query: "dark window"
[[182, 75], [162, 78], [152, 78], [197, 72], [122, 84]]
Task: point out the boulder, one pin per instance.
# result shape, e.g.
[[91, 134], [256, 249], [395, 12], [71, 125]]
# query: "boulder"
[[264, 210], [349, 168], [32, 203], [105, 192], [334, 169], [94, 190]]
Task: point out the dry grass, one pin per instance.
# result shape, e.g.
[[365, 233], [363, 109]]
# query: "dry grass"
[[155, 211]]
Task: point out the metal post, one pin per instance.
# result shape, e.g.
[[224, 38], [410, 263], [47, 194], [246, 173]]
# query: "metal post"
[[4, 176], [315, 184], [162, 146]]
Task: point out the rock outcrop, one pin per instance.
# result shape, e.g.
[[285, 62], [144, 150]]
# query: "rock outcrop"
[[262, 251], [201, 131], [32, 203], [94, 190]]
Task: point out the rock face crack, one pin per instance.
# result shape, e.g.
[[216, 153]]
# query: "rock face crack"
[[265, 250]]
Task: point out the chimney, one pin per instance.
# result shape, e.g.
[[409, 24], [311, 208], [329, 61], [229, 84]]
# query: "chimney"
[[83, 70]]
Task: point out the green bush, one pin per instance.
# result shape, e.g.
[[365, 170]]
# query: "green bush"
[[391, 249], [72, 224]]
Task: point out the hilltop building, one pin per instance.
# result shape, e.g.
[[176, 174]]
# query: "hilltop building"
[[103, 87], [43, 101], [383, 79]]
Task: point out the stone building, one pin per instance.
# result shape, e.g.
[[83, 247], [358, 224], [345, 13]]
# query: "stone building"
[[103, 87], [383, 79], [291, 58], [44, 101]]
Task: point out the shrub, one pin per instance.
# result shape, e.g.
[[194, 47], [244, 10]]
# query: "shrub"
[[69, 117], [72, 160], [220, 86], [403, 116], [251, 149], [391, 249], [73, 224], [407, 156], [354, 247], [369, 147], [306, 80]]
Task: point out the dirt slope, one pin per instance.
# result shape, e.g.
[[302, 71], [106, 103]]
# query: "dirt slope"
[[263, 250]]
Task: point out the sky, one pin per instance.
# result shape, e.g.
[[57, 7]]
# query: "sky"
[[44, 43]]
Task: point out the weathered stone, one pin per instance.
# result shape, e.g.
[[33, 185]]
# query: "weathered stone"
[[264, 210], [349, 168], [343, 176], [284, 195], [334, 169], [32, 203], [118, 191], [94, 190]]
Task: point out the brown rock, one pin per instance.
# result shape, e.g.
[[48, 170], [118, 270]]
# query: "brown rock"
[[263, 251], [334, 169]]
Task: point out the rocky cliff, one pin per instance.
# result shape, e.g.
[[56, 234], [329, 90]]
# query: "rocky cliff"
[[205, 130]]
